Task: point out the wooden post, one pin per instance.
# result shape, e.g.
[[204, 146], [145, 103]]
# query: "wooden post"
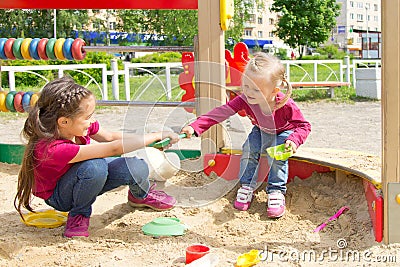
[[390, 110], [211, 70]]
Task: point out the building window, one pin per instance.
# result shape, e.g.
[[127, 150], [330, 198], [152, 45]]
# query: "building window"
[[375, 18], [252, 18], [260, 34], [375, 7], [351, 4], [360, 17], [270, 34], [271, 21], [112, 25], [247, 33], [360, 5], [260, 20], [351, 15]]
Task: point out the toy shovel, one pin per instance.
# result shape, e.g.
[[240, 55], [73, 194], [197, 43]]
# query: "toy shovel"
[[334, 217], [165, 142]]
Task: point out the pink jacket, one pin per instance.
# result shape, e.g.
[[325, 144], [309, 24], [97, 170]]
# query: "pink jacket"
[[288, 117]]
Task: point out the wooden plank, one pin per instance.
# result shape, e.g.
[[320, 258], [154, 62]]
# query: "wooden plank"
[[203, 88], [364, 165], [390, 104], [99, 4], [211, 69], [340, 176], [217, 90]]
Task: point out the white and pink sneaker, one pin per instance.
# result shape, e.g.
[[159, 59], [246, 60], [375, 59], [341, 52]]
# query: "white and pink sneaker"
[[243, 198], [276, 205]]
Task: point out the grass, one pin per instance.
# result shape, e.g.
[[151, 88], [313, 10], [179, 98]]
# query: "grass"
[[147, 88]]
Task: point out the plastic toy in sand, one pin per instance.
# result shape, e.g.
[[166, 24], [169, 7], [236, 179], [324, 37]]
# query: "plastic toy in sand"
[[248, 259], [45, 218], [279, 152], [162, 165], [164, 226]]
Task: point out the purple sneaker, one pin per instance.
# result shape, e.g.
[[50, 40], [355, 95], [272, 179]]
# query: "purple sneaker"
[[243, 198], [156, 200], [77, 226], [276, 204]]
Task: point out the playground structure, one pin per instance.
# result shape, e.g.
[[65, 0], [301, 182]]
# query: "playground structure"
[[210, 48]]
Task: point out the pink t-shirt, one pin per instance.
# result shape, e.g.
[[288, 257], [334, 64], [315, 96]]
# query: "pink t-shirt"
[[288, 117], [51, 161]]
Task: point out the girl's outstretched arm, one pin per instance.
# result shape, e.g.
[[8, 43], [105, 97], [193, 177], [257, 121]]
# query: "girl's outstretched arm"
[[127, 143], [106, 136]]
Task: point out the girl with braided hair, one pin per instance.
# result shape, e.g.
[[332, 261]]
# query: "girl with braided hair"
[[276, 119], [61, 166]]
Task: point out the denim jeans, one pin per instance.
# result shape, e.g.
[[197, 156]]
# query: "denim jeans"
[[78, 188], [256, 144]]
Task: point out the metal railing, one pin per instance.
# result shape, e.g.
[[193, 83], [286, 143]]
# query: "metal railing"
[[346, 70], [60, 68]]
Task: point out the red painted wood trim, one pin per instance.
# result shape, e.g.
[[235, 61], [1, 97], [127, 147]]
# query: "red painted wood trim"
[[375, 209], [99, 4]]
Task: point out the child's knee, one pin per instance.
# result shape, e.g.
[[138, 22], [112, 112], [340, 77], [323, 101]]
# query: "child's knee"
[[94, 168], [138, 169]]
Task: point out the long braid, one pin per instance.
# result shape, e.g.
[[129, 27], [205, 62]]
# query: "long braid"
[[59, 98]]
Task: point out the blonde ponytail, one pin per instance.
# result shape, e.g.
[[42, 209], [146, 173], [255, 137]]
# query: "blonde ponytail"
[[288, 94]]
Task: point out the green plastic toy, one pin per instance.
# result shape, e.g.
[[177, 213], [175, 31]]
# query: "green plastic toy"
[[164, 226], [165, 142], [279, 152]]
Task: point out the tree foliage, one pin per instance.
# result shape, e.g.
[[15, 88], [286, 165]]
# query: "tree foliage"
[[178, 27], [171, 25], [40, 22], [305, 22]]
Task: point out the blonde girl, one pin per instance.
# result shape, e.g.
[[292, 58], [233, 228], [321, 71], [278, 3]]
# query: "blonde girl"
[[65, 169], [276, 119]]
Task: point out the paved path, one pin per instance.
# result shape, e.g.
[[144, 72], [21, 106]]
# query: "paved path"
[[340, 126]]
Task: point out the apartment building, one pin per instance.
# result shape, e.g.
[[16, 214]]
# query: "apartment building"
[[358, 29], [258, 31]]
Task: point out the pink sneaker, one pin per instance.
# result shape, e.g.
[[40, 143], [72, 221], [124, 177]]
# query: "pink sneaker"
[[276, 204], [156, 200], [243, 198], [77, 226]]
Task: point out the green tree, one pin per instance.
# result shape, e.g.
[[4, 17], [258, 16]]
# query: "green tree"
[[40, 22], [306, 22], [171, 24], [174, 27]]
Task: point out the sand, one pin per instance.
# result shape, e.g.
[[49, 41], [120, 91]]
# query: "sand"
[[205, 206]]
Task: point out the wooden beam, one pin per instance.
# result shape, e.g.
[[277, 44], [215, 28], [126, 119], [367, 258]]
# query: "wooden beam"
[[211, 70], [390, 106], [99, 4]]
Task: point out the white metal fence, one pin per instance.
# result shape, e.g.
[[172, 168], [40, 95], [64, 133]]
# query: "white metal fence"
[[346, 68]]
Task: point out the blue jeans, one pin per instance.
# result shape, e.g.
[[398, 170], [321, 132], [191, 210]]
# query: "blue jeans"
[[78, 188], [256, 144]]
